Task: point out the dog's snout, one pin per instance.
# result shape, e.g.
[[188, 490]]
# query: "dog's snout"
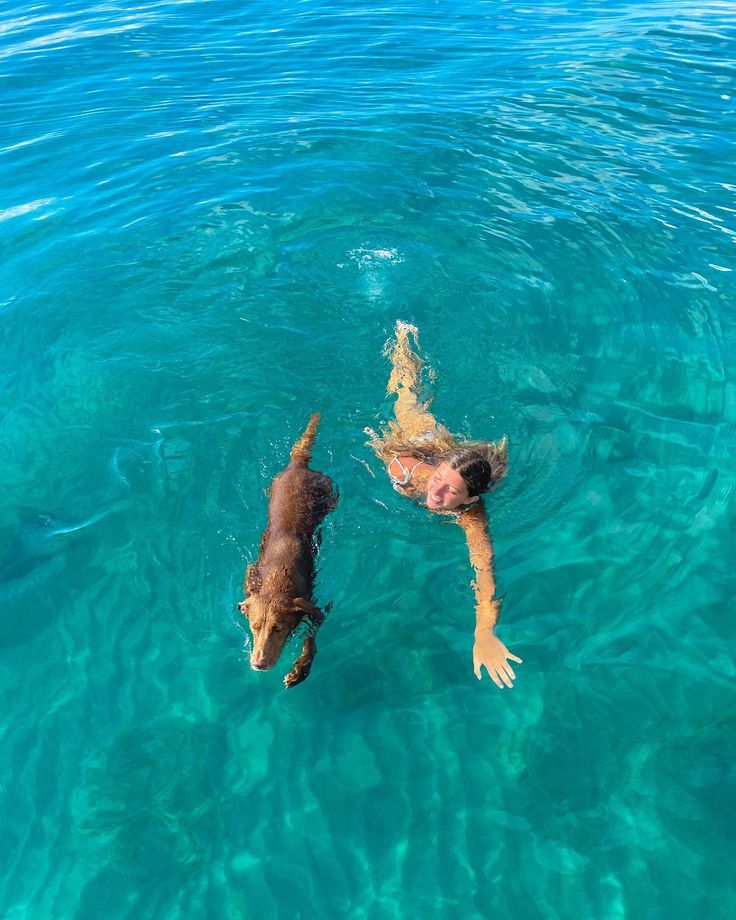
[[258, 663]]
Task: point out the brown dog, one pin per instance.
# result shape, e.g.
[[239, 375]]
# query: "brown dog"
[[278, 586]]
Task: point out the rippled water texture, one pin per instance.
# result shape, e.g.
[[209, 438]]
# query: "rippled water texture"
[[211, 214]]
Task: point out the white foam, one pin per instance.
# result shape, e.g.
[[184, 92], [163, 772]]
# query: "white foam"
[[369, 258]]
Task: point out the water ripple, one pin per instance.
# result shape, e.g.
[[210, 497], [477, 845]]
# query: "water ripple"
[[212, 215]]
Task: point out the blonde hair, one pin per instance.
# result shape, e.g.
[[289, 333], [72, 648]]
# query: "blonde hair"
[[481, 463]]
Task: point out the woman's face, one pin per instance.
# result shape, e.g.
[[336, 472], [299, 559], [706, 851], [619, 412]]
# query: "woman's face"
[[446, 489]]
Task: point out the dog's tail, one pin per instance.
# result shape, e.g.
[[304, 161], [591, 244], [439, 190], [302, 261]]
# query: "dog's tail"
[[302, 450]]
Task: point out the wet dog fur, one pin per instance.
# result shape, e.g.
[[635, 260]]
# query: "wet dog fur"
[[279, 585]]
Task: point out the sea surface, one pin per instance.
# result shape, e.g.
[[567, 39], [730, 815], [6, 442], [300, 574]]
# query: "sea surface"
[[211, 216]]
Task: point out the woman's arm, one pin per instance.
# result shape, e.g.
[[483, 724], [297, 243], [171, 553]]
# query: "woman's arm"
[[475, 524], [488, 650], [413, 422], [412, 415]]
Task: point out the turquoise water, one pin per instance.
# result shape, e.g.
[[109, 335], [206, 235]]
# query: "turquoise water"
[[211, 214]]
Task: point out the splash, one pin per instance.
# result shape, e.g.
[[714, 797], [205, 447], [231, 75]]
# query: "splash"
[[373, 258]]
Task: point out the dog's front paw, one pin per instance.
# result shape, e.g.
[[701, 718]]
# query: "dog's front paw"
[[297, 674], [303, 664]]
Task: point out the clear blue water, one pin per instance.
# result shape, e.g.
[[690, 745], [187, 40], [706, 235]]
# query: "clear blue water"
[[211, 214]]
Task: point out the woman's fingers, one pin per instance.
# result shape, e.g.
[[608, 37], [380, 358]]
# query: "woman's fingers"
[[501, 674], [514, 658], [491, 670]]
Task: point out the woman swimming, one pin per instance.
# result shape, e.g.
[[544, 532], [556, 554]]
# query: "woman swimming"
[[427, 463]]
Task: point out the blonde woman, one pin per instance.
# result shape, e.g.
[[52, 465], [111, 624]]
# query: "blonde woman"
[[428, 464]]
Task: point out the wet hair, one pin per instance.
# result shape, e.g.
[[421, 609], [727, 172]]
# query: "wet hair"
[[481, 464]]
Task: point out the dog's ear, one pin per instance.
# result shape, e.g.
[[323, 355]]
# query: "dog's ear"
[[308, 610], [252, 579], [302, 606]]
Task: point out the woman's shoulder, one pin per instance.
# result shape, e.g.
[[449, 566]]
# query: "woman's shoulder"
[[473, 517], [412, 458], [402, 467]]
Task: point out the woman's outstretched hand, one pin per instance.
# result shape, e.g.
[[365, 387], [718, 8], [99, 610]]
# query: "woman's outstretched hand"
[[491, 653]]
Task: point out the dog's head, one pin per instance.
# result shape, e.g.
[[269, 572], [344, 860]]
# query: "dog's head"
[[271, 621]]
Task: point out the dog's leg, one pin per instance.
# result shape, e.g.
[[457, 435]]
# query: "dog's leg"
[[303, 664]]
